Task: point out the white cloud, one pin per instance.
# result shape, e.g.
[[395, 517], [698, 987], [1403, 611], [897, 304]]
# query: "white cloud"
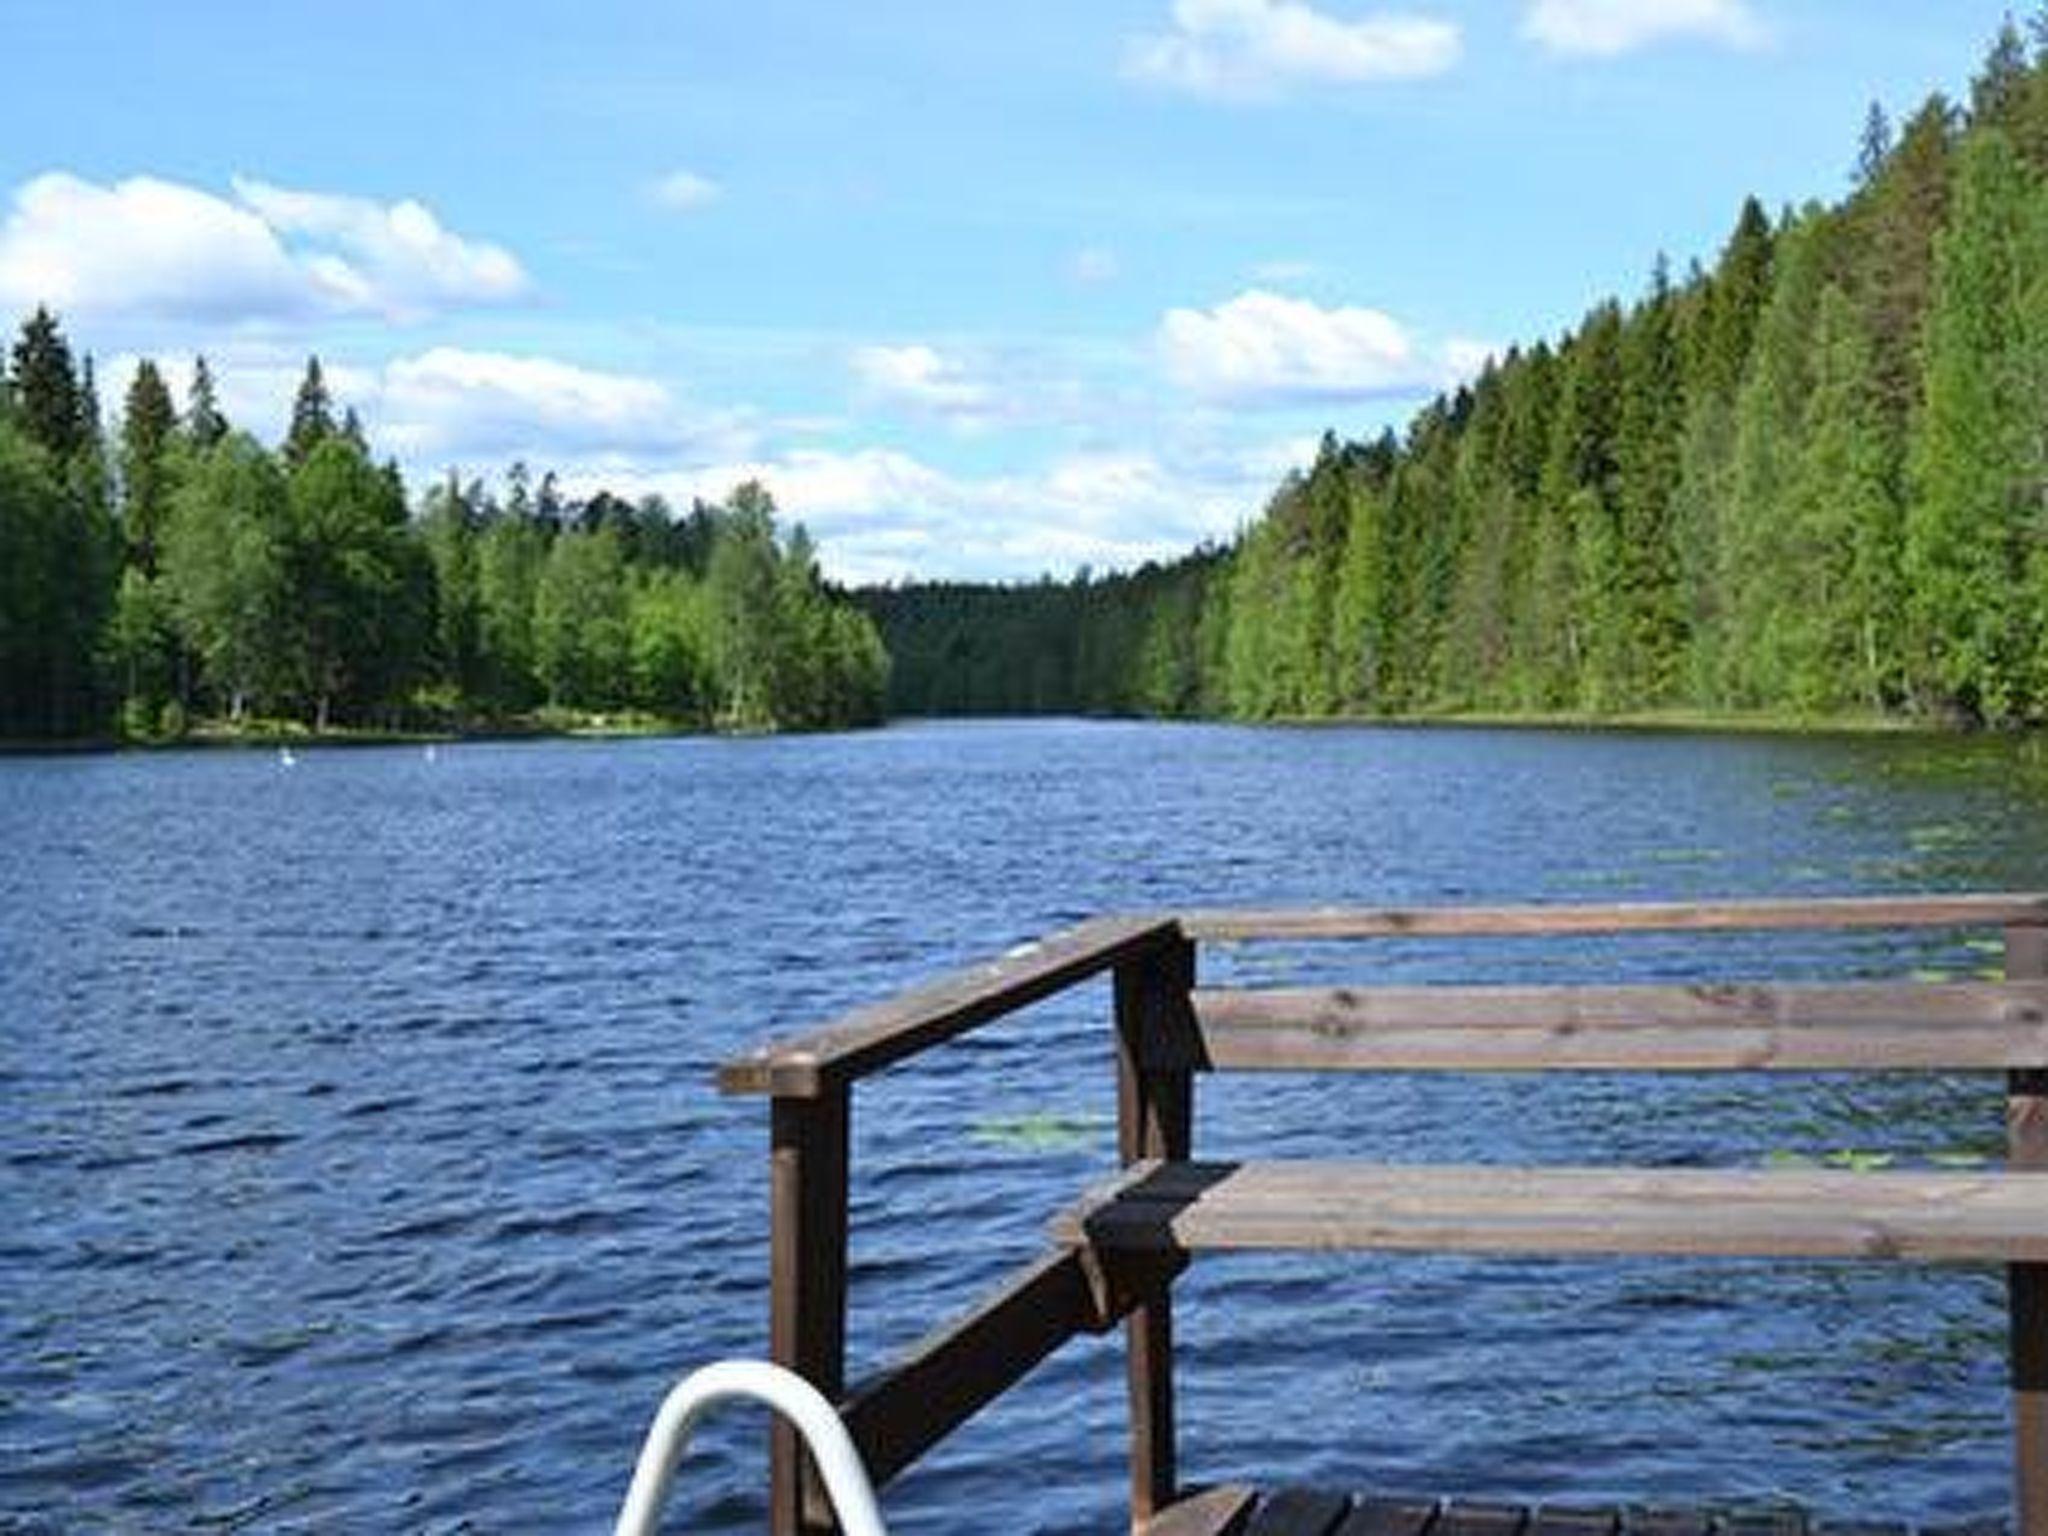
[[919, 379], [682, 191], [473, 409], [394, 259], [1266, 346], [145, 248], [1237, 49], [1605, 28], [880, 514], [480, 405]]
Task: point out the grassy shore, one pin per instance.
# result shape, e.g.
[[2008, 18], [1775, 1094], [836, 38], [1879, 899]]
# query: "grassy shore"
[[1722, 722], [267, 733]]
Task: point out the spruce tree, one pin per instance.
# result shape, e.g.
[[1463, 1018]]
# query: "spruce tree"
[[1875, 145], [312, 416], [2001, 79], [149, 421], [1976, 464], [48, 400], [204, 424], [1649, 604]]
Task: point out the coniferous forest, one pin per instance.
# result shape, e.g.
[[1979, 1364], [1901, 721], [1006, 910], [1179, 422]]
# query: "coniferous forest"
[[1810, 479], [183, 572]]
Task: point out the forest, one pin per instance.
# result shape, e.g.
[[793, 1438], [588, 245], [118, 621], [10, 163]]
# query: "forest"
[[1808, 480], [179, 575]]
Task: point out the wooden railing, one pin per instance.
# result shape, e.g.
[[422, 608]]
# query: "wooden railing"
[[1115, 1255]]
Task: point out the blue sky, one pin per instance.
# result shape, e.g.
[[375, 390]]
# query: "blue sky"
[[977, 290]]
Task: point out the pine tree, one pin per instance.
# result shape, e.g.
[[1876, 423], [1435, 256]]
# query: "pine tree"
[[1760, 580], [48, 399], [1976, 465], [1846, 524], [2001, 79], [1875, 145], [1907, 204], [204, 424], [1649, 605], [312, 416], [149, 421]]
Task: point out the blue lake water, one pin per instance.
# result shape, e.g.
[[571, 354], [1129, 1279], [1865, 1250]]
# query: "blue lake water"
[[362, 1170]]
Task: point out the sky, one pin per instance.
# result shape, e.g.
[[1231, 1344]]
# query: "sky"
[[976, 290]]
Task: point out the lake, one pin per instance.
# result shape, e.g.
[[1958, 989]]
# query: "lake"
[[363, 1171]]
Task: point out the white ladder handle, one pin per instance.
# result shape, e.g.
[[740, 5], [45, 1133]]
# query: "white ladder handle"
[[846, 1479]]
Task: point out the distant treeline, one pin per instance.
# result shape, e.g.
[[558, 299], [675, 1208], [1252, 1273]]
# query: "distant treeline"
[[1812, 479], [183, 570]]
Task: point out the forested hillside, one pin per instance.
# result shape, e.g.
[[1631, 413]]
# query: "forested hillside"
[[184, 571], [1810, 478]]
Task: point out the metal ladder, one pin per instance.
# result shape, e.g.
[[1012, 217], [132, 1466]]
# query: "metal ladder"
[[839, 1464]]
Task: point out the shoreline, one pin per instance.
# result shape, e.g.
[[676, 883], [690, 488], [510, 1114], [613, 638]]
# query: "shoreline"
[[275, 734], [1677, 722]]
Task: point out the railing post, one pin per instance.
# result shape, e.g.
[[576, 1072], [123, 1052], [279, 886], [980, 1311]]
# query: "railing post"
[[807, 1281], [2026, 1123], [1155, 1119]]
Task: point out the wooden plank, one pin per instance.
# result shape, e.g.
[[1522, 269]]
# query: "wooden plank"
[[806, 1284], [871, 1038], [2026, 1120], [1760, 1213], [950, 1376], [1562, 1520], [1985, 911], [1764, 1522], [1738, 1027], [1155, 1120], [1299, 1512], [1388, 1517], [1463, 1518], [1666, 1522], [1211, 1512]]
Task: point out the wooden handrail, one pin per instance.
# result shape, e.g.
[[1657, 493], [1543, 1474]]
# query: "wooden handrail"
[[1123, 1255], [871, 1038], [1872, 1026], [1639, 917]]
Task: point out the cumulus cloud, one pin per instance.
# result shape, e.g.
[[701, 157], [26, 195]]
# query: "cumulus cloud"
[[448, 401], [449, 405], [154, 249], [917, 378], [682, 191], [1605, 28], [1235, 49], [1264, 346], [395, 259], [881, 514]]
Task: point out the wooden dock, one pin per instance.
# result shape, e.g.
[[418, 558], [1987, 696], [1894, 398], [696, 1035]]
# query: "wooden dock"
[[1116, 1249], [1240, 1511]]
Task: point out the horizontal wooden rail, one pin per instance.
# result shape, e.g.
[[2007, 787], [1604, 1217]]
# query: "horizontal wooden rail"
[[1644, 917], [873, 1037], [1755, 1213], [959, 1370], [1943, 1026]]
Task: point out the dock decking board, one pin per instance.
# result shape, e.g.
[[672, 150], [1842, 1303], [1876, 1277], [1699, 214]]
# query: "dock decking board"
[[1238, 1510]]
